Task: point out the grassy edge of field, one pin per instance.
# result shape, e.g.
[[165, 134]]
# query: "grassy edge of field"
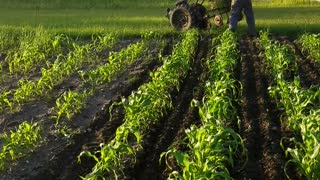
[[81, 20]]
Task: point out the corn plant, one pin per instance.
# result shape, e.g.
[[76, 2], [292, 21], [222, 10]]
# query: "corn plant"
[[17, 143], [311, 44], [301, 107], [213, 146], [70, 103], [4, 101], [294, 100], [211, 152], [25, 91], [143, 107], [116, 62], [103, 42], [307, 154], [279, 58], [35, 48]]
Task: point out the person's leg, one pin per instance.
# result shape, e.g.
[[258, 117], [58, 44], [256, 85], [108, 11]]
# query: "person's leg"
[[248, 11], [235, 14]]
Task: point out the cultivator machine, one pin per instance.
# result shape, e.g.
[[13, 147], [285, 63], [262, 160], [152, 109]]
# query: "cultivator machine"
[[185, 15]]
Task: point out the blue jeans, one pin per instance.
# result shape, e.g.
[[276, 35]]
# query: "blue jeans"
[[237, 6]]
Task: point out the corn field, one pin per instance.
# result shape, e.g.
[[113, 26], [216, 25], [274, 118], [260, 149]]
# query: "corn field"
[[193, 106]]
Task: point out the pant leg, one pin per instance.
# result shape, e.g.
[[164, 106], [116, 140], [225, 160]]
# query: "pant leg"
[[235, 14], [248, 11]]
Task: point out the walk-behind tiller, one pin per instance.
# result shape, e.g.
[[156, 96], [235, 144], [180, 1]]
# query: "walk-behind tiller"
[[185, 16]]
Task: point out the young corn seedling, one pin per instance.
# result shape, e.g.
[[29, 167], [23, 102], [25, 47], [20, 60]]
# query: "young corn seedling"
[[18, 143], [116, 62], [4, 101], [69, 104], [311, 44], [306, 155], [25, 92], [211, 151], [279, 58], [103, 42]]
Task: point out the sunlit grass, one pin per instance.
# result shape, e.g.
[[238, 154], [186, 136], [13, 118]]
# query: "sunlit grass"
[[85, 22], [285, 3], [287, 20], [133, 21], [84, 4]]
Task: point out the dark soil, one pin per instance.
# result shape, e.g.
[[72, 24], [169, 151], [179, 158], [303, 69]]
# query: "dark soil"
[[2, 56], [260, 127]]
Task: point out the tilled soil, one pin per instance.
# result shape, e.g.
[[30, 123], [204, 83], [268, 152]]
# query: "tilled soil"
[[260, 126]]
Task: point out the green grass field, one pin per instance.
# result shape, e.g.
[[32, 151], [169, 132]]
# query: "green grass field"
[[131, 18], [85, 22]]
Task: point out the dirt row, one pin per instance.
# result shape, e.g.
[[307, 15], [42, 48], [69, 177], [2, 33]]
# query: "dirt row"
[[260, 126]]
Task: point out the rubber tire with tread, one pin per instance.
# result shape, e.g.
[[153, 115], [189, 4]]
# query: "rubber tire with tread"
[[181, 19]]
